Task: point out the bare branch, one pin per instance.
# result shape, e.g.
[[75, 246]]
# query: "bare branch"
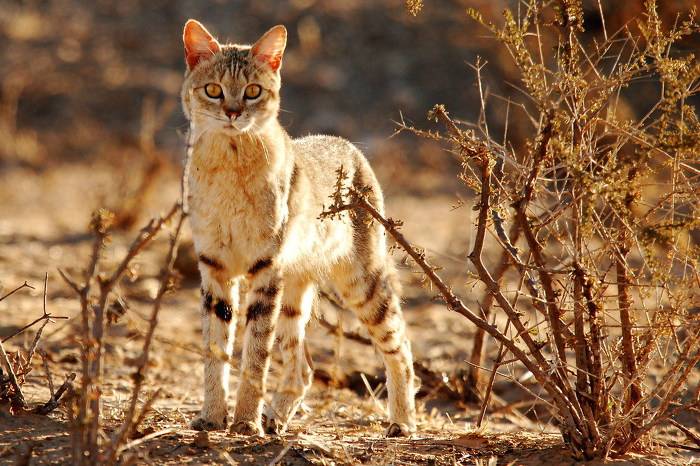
[[17, 395], [130, 423], [55, 399], [337, 330], [23, 285]]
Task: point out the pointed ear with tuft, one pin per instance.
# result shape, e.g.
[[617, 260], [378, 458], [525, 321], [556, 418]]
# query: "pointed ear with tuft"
[[199, 43], [269, 48]]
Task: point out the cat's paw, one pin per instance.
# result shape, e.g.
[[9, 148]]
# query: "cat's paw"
[[272, 426], [248, 428], [398, 429], [205, 423]]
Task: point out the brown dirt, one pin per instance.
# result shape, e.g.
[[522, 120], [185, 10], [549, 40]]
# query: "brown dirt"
[[43, 227]]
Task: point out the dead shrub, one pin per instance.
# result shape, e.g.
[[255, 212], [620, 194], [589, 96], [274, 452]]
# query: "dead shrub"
[[597, 214]]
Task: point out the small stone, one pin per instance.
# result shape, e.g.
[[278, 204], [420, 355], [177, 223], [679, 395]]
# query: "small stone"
[[201, 440]]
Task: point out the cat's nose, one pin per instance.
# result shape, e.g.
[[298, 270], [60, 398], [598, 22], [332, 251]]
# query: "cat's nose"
[[232, 112]]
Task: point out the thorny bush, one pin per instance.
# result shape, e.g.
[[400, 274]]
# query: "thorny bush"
[[597, 215]]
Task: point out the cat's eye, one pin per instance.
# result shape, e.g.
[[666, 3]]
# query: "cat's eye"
[[252, 91], [214, 91]]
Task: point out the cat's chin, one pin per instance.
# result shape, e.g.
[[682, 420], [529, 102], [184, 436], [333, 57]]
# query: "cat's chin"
[[232, 130]]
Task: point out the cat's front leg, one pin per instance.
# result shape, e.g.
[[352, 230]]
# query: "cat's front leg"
[[264, 301], [220, 301]]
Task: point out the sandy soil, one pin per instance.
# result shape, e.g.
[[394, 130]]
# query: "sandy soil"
[[43, 227]]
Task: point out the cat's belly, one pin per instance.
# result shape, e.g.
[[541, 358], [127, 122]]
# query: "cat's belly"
[[314, 246]]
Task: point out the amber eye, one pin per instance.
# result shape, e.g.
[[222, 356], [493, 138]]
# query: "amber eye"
[[214, 91], [253, 91]]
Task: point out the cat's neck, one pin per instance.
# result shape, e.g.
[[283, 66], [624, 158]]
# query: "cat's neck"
[[264, 151]]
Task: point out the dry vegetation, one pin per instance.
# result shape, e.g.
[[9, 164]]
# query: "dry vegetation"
[[572, 251], [607, 207]]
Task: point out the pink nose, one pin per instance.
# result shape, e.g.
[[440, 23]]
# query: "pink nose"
[[231, 112]]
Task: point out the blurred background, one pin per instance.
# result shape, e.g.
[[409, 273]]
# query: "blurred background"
[[80, 78]]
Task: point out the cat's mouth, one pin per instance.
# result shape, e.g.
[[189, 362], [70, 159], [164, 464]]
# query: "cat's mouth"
[[232, 127], [238, 126]]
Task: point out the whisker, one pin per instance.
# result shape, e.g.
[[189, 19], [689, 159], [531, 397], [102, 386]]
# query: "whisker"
[[262, 143], [210, 115]]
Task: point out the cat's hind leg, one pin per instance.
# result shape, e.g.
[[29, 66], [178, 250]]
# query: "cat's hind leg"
[[297, 304], [371, 293], [220, 299]]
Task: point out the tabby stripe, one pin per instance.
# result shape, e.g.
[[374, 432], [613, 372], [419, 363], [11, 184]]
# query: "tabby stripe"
[[387, 336], [211, 262], [380, 314], [261, 264], [223, 310], [392, 351], [372, 286], [207, 300], [260, 333], [269, 291], [290, 311], [257, 310], [290, 343], [293, 180]]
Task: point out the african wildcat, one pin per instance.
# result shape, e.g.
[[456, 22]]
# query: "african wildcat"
[[255, 198]]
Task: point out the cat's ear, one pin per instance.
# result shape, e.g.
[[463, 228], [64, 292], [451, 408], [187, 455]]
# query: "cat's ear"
[[270, 47], [199, 43]]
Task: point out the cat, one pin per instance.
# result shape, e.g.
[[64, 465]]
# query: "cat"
[[255, 196]]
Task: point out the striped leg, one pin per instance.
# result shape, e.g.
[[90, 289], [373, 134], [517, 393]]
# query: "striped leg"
[[219, 315], [372, 297], [264, 301], [297, 304]]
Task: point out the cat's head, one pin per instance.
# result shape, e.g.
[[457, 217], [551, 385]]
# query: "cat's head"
[[232, 89]]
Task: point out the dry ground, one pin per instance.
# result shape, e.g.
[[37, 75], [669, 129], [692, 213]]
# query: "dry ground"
[[42, 227]]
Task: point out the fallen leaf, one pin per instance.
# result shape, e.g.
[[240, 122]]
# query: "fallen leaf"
[[471, 441]]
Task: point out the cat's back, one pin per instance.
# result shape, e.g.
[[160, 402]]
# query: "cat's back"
[[326, 151], [321, 156]]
